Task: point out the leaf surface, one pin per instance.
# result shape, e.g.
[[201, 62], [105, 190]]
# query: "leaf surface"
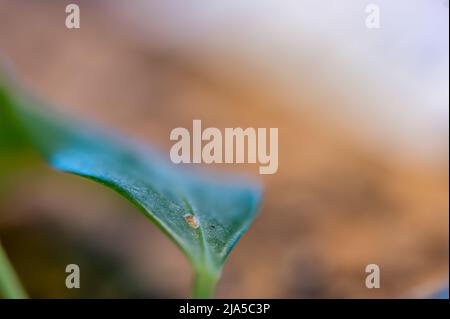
[[203, 214]]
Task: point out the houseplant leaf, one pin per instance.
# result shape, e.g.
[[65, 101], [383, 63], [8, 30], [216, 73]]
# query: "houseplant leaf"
[[10, 286], [203, 214]]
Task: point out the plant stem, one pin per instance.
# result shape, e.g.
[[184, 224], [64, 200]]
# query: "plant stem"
[[205, 283], [10, 286]]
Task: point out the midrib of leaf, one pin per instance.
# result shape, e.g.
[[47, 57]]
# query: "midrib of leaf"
[[207, 256]]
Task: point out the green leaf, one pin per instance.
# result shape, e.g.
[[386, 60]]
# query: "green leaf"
[[203, 214], [10, 286]]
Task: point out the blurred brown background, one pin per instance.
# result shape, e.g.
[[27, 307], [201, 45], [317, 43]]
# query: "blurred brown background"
[[335, 205]]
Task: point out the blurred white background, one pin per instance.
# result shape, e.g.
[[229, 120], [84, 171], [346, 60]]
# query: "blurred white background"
[[387, 86]]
